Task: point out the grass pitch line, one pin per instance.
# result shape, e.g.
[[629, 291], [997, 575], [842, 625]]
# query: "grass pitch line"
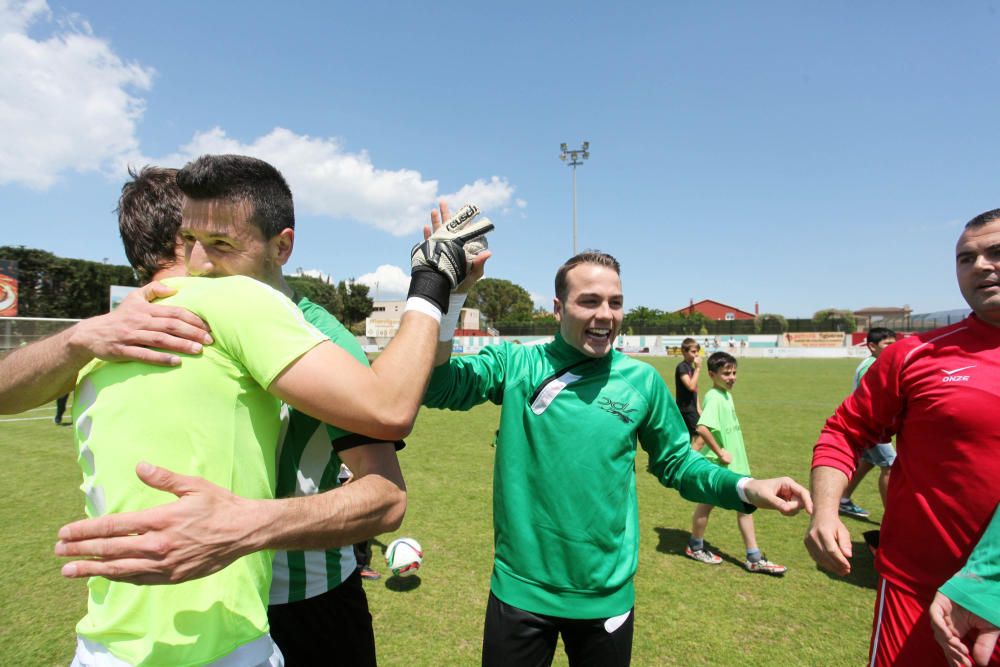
[[25, 419]]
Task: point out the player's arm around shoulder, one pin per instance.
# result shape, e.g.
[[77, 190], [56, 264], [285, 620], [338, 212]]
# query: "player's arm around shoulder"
[[38, 373], [373, 503]]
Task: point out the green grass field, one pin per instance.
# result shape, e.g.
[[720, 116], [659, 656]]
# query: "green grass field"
[[687, 613]]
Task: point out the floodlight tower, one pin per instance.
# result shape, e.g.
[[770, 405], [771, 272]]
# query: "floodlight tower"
[[576, 158]]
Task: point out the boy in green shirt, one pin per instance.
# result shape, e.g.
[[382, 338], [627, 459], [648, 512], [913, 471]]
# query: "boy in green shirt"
[[720, 429]]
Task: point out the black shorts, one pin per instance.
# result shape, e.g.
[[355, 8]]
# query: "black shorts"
[[332, 628], [691, 419], [514, 636]]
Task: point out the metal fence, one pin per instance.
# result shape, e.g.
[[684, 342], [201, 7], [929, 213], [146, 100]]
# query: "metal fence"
[[18, 331], [696, 328], [918, 322]]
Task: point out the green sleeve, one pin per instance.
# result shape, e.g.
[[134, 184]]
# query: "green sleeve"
[[977, 585], [338, 334], [665, 438], [465, 382]]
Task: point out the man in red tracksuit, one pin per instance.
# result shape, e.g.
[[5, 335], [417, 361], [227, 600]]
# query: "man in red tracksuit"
[[938, 393]]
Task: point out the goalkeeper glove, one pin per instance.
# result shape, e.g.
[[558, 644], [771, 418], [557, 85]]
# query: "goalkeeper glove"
[[439, 264]]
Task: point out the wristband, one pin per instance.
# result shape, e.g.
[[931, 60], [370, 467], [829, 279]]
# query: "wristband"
[[741, 489], [428, 284], [415, 303], [449, 322]]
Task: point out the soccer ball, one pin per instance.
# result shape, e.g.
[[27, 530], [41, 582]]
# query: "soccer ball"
[[403, 556]]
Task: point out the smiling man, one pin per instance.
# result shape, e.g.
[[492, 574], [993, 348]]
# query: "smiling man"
[[564, 495], [934, 392]]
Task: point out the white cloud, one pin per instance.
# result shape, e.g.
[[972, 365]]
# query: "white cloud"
[[67, 101], [330, 181], [391, 282]]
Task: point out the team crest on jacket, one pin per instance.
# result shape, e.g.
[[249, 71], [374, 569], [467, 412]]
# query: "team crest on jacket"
[[618, 409]]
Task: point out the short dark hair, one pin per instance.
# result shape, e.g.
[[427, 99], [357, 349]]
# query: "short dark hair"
[[149, 215], [585, 257], [983, 219], [878, 334], [719, 360], [688, 343], [239, 178]]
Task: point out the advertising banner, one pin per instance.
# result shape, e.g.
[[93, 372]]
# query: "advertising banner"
[[815, 339], [8, 288]]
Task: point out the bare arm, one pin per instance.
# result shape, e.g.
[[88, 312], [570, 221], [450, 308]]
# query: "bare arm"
[[382, 401], [373, 503], [167, 544], [828, 540], [35, 374], [709, 439]]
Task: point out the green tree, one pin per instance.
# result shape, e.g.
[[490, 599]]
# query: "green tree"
[[501, 301], [642, 316], [51, 286], [771, 323], [542, 316], [835, 319], [318, 291], [357, 304]]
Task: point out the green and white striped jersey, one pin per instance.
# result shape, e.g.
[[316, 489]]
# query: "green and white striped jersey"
[[308, 464]]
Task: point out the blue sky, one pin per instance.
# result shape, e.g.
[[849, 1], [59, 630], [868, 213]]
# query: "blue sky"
[[799, 155]]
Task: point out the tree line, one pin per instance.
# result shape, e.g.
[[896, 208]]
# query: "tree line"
[[63, 287]]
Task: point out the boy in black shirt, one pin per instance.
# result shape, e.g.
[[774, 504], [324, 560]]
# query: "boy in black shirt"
[[686, 383]]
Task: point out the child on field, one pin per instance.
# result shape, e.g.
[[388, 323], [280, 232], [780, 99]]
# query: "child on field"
[[719, 428], [881, 455], [686, 384]]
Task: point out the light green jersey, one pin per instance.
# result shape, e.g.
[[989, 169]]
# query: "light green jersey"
[[862, 368], [211, 417], [308, 464], [718, 414]]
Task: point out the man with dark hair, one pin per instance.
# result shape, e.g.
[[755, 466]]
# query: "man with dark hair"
[[148, 219], [564, 496], [934, 392]]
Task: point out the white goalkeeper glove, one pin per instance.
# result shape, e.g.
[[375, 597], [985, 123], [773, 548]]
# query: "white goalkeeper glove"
[[439, 264]]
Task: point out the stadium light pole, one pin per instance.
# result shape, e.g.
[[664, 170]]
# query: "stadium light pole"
[[576, 158]]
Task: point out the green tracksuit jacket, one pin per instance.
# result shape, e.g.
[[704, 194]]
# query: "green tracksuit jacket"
[[564, 498], [977, 585]]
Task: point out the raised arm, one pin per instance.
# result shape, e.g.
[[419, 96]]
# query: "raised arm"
[[35, 374], [383, 401], [477, 265]]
